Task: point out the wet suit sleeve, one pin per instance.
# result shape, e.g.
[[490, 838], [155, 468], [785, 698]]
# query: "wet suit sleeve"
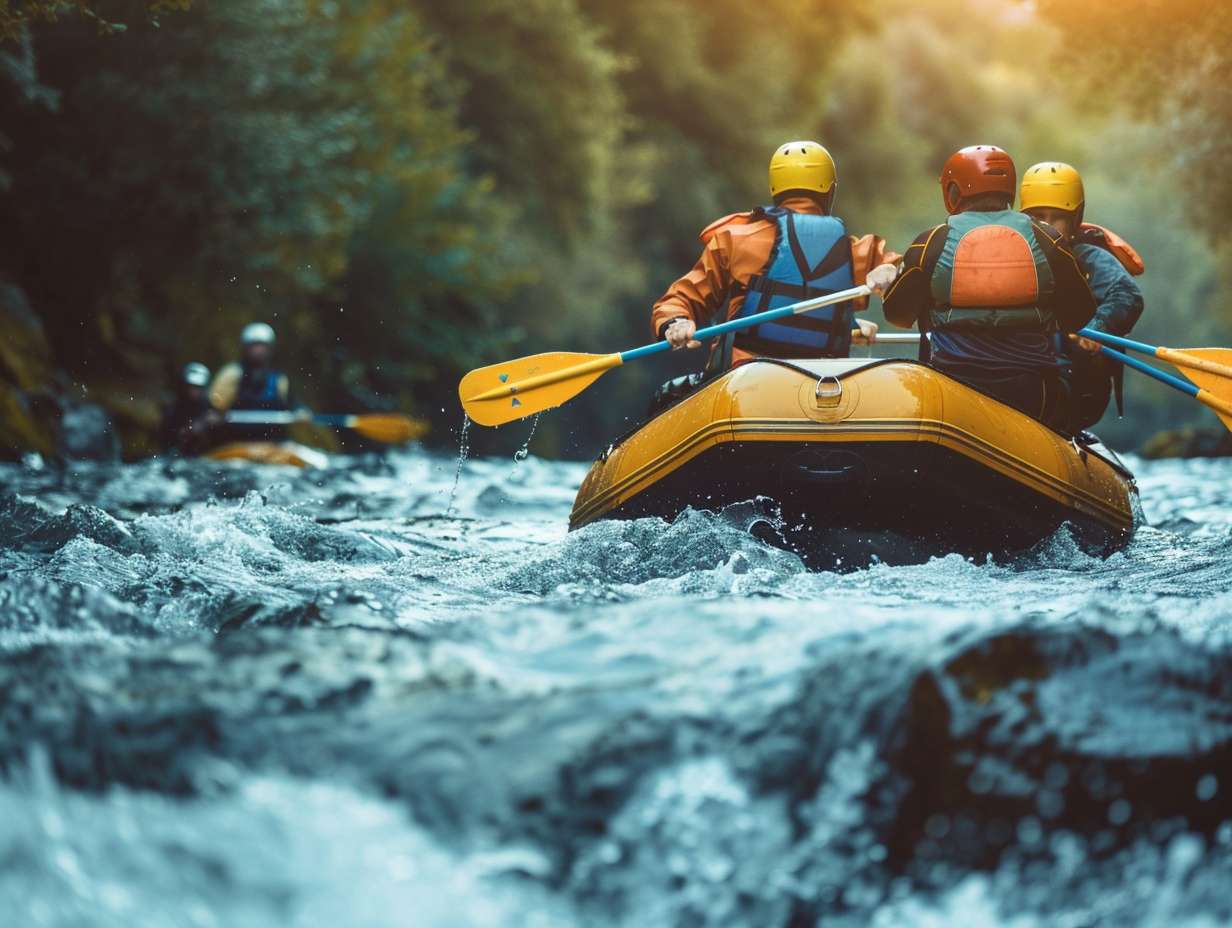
[[225, 387], [1119, 300], [911, 296], [1073, 302], [697, 295]]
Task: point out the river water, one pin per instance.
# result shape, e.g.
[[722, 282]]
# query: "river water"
[[245, 697]]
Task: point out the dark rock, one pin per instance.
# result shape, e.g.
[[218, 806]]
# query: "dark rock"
[[1189, 442]]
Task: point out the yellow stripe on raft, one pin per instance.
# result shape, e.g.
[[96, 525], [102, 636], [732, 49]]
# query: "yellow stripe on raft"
[[898, 402]]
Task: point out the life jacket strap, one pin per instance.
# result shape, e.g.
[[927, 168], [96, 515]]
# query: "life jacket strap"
[[759, 283], [1002, 318]]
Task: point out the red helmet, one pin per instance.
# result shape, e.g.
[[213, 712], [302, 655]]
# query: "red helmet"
[[977, 169]]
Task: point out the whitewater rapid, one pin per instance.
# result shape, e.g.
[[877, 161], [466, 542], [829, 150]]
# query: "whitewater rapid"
[[242, 696]]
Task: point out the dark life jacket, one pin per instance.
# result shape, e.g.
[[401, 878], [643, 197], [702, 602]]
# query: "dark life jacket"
[[992, 274], [259, 390], [811, 257], [182, 412]]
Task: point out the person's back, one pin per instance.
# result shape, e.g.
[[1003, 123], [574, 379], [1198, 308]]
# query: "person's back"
[[773, 256], [252, 384], [187, 419], [1053, 192], [990, 288]]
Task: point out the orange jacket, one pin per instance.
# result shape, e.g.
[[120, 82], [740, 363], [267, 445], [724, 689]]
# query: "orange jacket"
[[1121, 249], [737, 247]]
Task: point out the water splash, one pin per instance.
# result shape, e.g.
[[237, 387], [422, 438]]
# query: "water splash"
[[524, 452], [464, 449], [640, 722]]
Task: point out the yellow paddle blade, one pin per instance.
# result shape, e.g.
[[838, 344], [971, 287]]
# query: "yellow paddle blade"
[[389, 428], [1205, 366], [513, 390]]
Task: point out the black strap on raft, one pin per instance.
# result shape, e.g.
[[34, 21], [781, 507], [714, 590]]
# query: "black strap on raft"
[[720, 357], [928, 264], [924, 324], [1118, 386]]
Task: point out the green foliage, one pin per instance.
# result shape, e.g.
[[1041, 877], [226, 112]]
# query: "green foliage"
[[1172, 61], [408, 189], [234, 166], [18, 15]]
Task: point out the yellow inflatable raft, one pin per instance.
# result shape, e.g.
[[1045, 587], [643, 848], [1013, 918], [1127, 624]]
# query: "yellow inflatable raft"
[[287, 453], [866, 459]]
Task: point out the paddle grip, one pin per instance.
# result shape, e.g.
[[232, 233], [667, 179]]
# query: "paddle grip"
[[1116, 340]]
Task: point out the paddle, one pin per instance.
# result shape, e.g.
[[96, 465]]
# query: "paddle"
[[887, 338], [387, 428], [516, 389], [1209, 369]]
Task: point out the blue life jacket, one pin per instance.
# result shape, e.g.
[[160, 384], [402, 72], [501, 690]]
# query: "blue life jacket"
[[811, 257], [259, 390]]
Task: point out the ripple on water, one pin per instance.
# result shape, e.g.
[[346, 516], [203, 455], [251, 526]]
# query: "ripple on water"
[[478, 716]]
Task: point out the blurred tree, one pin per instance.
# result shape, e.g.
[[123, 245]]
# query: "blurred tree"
[[17, 15], [1172, 61], [186, 179]]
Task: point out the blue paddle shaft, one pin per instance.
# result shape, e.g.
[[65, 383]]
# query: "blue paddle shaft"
[[1117, 341], [286, 417], [1106, 339], [735, 325], [1175, 383]]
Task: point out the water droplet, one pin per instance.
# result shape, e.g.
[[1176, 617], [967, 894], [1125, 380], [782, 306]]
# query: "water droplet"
[[1207, 787]]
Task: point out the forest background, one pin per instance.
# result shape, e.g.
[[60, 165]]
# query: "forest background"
[[406, 189]]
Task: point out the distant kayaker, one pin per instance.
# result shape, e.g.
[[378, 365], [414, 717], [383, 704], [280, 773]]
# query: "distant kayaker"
[[1053, 193], [773, 256], [993, 287], [186, 420], [252, 383]]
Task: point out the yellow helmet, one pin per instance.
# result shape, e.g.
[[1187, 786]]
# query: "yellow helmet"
[[1051, 183], [801, 166]]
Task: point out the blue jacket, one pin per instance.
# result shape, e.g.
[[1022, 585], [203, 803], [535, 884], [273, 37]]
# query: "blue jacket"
[[1120, 301]]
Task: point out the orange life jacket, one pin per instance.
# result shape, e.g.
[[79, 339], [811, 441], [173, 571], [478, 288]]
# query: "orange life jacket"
[[991, 274]]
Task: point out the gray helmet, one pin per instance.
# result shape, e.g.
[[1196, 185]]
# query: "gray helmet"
[[196, 374], [257, 333]]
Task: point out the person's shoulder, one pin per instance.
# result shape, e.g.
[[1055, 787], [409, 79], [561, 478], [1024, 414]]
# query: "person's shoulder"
[[1113, 245], [1090, 253], [747, 221], [228, 371], [929, 237], [1097, 258]]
